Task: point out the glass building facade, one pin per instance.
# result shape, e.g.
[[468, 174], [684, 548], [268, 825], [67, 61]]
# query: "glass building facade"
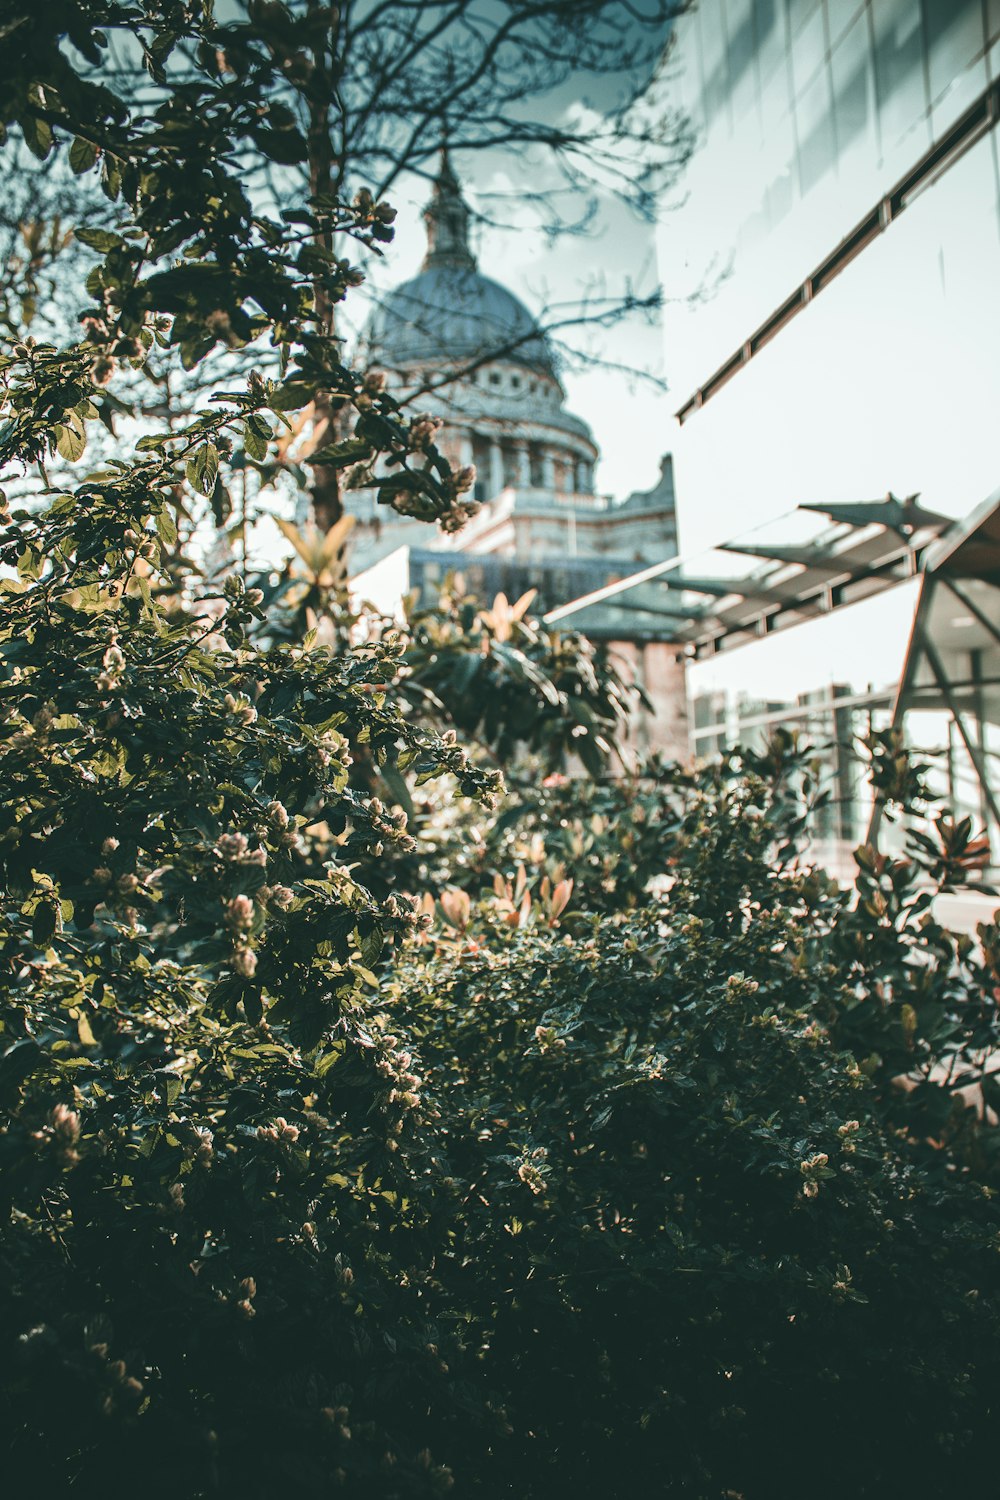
[[832, 271], [832, 259]]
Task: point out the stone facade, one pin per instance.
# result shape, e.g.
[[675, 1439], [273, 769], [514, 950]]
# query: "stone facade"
[[459, 346]]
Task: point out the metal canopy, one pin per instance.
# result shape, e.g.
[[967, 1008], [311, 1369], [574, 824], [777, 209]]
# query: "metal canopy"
[[815, 559], [902, 516], [685, 619], [820, 556], [748, 587]]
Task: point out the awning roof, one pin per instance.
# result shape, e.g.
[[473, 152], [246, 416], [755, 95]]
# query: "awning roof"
[[802, 563]]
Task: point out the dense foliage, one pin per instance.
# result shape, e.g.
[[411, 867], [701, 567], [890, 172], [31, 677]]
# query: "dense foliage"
[[596, 1145]]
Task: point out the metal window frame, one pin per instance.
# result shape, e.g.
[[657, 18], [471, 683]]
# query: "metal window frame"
[[977, 121]]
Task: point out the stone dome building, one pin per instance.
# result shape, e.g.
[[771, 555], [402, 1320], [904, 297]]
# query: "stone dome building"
[[465, 349], [468, 351]]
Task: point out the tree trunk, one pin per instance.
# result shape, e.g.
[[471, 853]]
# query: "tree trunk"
[[326, 503]]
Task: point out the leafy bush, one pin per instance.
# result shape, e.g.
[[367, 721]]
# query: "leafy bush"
[[192, 1077], [690, 1248]]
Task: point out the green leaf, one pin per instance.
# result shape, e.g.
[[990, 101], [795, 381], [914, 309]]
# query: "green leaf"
[[291, 397], [98, 239], [71, 438], [331, 1055], [111, 178], [166, 527], [203, 469], [287, 147], [43, 924], [37, 136], [222, 503], [82, 155], [257, 435], [29, 565], [339, 455]]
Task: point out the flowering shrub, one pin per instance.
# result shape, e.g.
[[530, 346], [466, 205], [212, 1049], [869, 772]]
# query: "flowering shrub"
[[203, 1114], [712, 1225]]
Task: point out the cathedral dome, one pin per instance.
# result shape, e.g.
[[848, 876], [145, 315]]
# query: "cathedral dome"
[[453, 313], [450, 311]]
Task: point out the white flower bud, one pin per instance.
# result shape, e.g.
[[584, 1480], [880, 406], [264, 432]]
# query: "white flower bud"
[[244, 963]]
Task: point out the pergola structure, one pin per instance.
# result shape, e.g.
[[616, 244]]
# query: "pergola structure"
[[806, 563], [953, 657], [838, 620]]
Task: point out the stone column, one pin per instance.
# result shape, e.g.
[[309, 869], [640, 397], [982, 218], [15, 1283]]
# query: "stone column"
[[496, 468], [548, 470], [465, 448], [522, 464]]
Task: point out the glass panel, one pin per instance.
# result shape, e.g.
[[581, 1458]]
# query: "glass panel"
[[815, 132], [687, 66], [840, 15], [742, 73], [899, 72], [954, 38], [769, 21], [852, 90], [808, 48], [715, 69], [777, 162], [800, 12]]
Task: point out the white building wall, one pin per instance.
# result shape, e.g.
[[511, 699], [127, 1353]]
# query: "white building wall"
[[809, 111]]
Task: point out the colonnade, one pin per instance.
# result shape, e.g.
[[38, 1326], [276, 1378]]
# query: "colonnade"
[[577, 473]]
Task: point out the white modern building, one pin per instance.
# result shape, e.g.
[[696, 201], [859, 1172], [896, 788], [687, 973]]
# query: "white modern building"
[[834, 276], [833, 268]]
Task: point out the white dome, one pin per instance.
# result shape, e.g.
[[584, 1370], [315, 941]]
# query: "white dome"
[[451, 312]]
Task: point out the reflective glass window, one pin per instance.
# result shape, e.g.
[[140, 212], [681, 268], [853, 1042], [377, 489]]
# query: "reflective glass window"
[[814, 120], [954, 38], [899, 70], [850, 65], [800, 12], [778, 159], [769, 27], [741, 44], [714, 64], [840, 15], [808, 47]]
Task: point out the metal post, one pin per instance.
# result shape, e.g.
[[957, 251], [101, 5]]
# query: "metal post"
[[974, 752], [988, 625]]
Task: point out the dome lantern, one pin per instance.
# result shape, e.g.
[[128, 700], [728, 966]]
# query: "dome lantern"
[[450, 313], [447, 220]]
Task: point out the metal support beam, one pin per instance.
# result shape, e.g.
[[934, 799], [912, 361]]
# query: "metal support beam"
[[990, 626], [911, 662], [974, 751]]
